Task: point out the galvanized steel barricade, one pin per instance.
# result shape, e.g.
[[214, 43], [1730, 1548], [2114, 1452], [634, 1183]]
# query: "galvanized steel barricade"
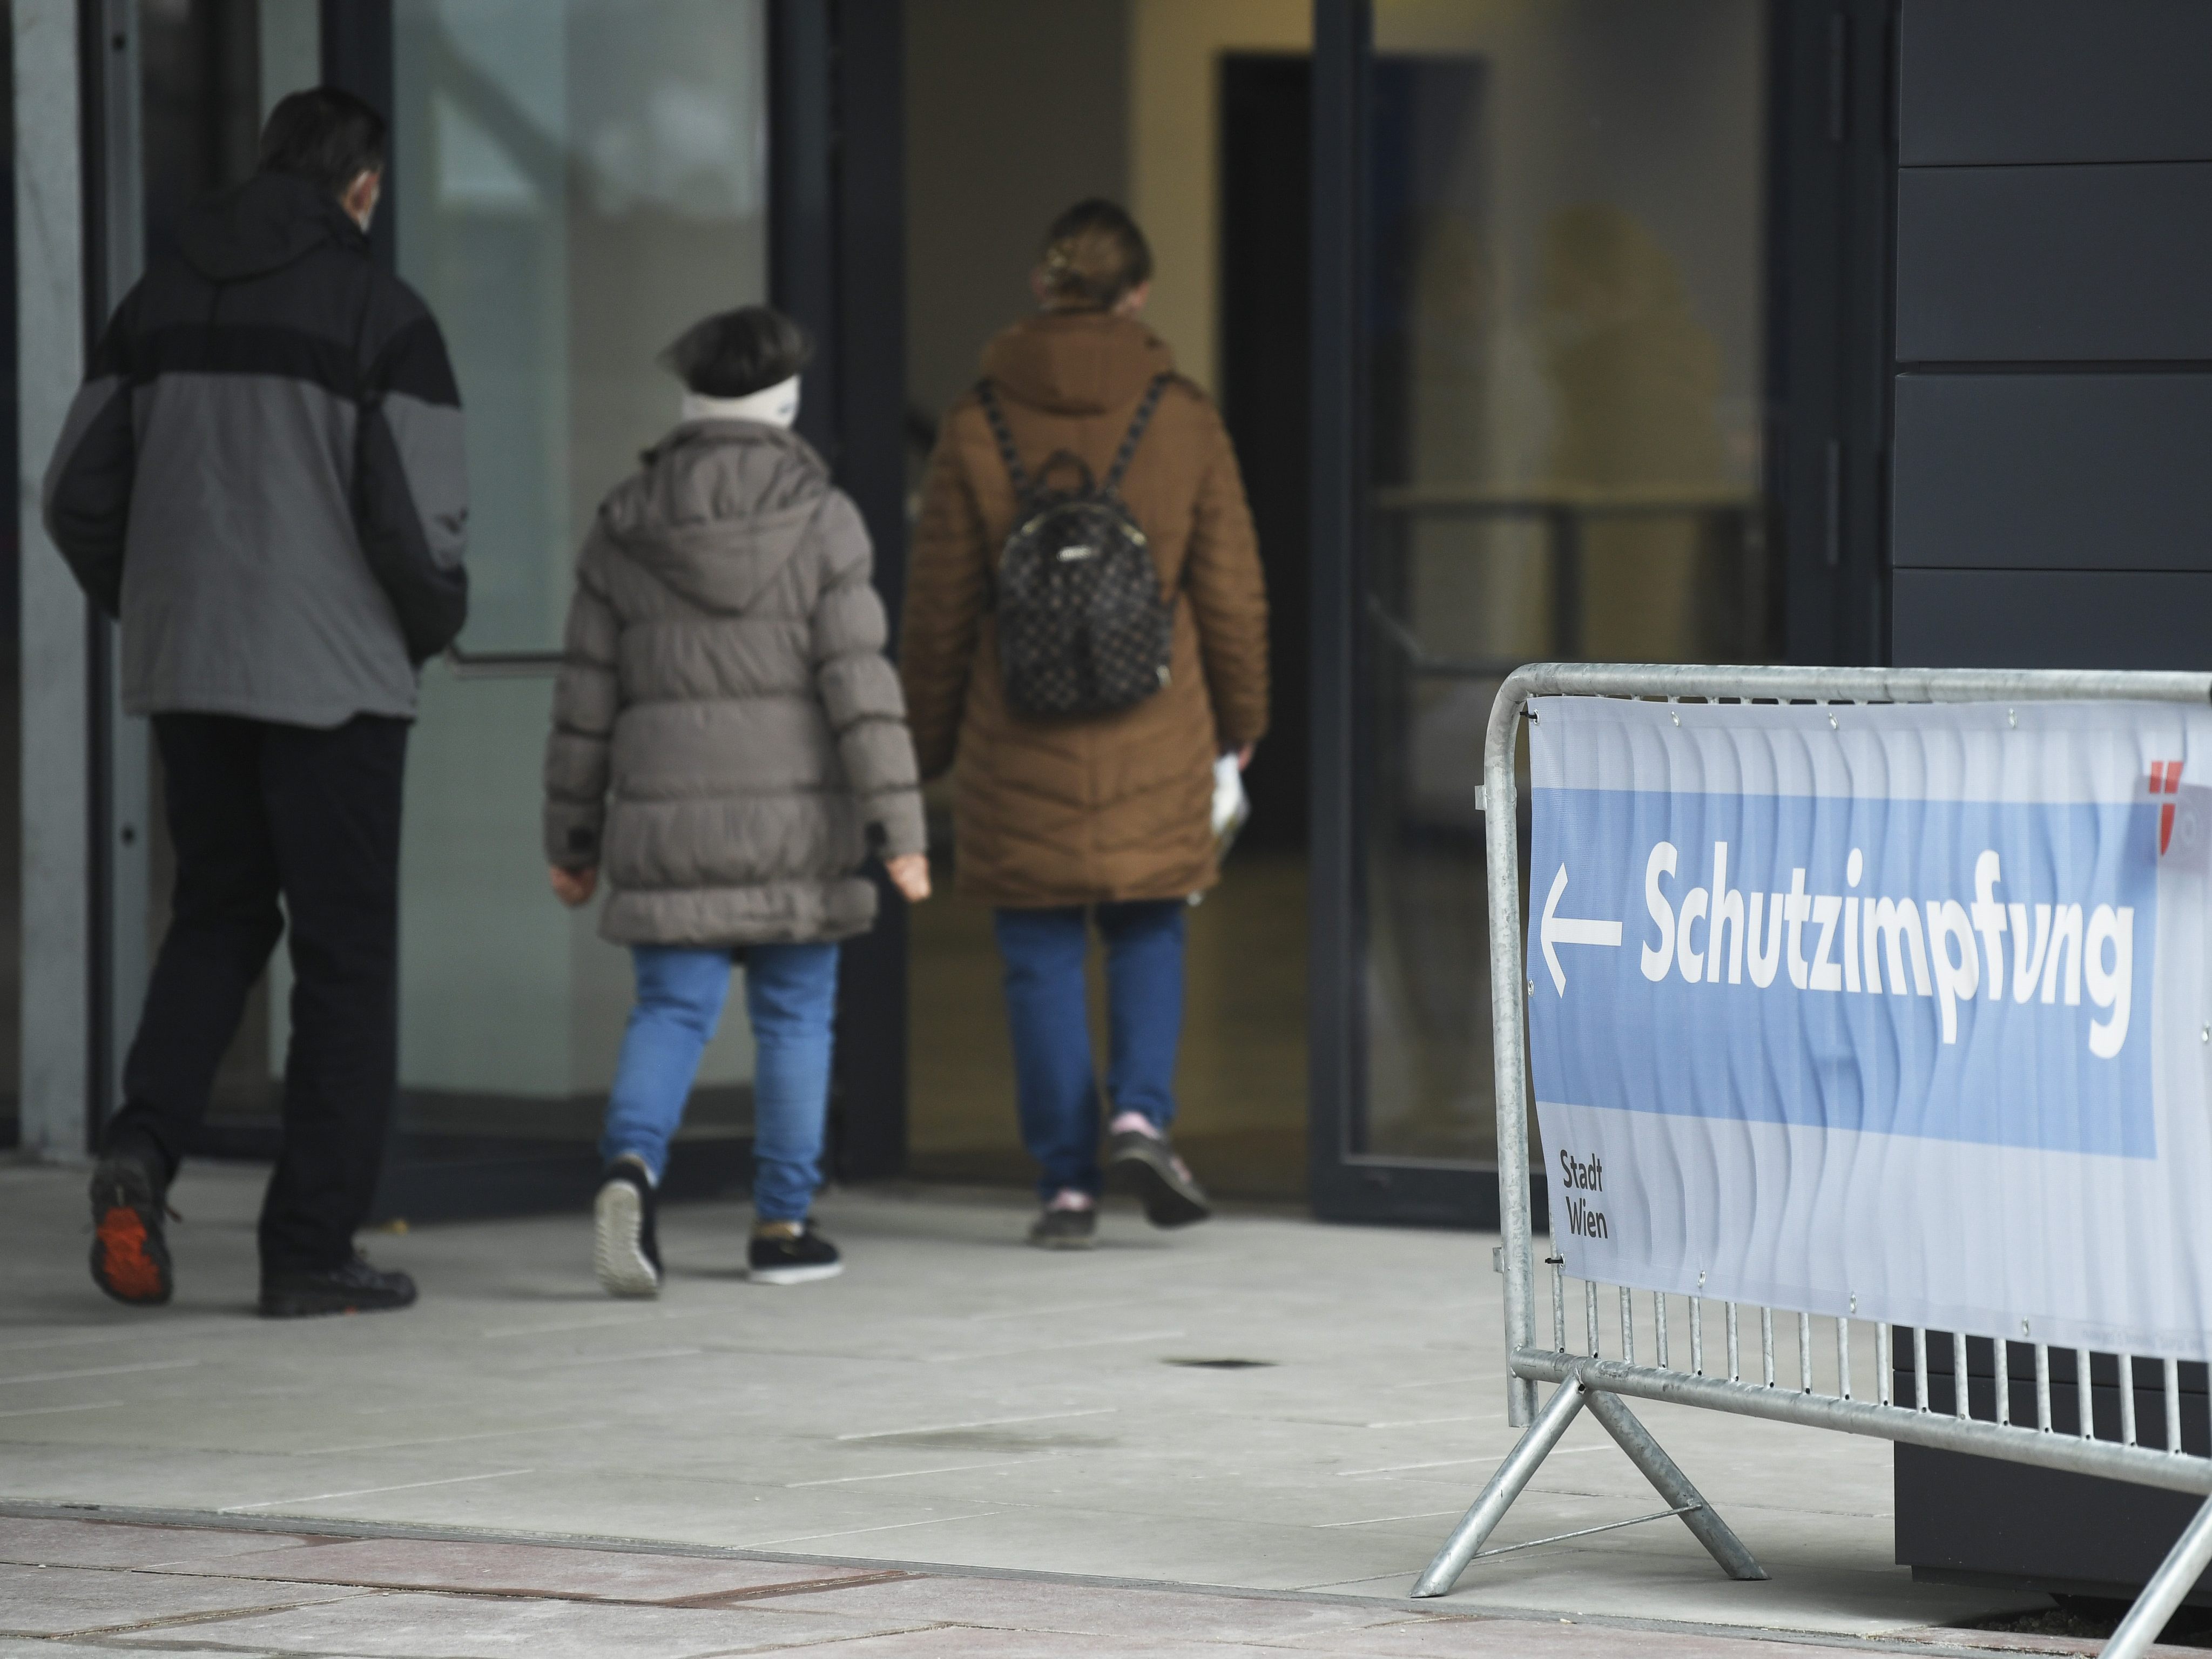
[[1586, 1377]]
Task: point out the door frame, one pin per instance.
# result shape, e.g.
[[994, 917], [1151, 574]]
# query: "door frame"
[[836, 162], [1829, 96], [837, 264]]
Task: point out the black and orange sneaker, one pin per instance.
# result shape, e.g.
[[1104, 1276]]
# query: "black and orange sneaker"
[[130, 1256]]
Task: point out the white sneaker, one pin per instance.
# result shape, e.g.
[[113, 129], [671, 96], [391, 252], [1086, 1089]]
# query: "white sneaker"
[[625, 1251]]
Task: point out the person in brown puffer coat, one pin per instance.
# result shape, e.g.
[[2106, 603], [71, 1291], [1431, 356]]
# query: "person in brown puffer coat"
[[729, 745], [1057, 821]]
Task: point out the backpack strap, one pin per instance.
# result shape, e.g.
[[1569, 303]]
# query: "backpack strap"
[[989, 398], [1111, 484]]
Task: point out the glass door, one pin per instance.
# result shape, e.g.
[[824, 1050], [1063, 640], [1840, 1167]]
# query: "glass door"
[[574, 181], [1551, 293]]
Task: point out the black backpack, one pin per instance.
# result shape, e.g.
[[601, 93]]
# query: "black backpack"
[[1083, 627]]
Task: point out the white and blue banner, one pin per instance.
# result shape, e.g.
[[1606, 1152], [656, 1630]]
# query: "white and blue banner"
[[1900, 1011]]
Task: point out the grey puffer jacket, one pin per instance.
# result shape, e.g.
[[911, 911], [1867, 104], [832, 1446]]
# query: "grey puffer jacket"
[[729, 741]]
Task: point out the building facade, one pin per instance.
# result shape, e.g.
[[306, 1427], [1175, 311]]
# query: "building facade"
[[1814, 330]]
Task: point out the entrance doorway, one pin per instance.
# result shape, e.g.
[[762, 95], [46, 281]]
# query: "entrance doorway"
[[1015, 110], [1540, 416]]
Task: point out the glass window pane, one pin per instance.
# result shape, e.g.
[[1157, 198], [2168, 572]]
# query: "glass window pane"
[[575, 183], [1564, 340]]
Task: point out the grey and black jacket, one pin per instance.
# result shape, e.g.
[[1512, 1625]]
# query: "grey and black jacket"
[[729, 742], [263, 476]]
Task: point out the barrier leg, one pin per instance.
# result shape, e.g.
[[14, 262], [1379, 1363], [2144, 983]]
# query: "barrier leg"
[[1674, 1486], [2176, 1576], [1513, 1475]]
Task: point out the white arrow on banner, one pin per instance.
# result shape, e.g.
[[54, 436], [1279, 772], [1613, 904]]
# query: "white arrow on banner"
[[1569, 930]]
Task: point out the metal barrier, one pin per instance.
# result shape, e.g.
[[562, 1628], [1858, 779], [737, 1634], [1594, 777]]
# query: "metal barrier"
[[1591, 1379]]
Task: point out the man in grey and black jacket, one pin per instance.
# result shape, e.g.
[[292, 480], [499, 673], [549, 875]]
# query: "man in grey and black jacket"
[[262, 478]]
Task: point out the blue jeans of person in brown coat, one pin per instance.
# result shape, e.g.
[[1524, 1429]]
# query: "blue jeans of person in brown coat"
[[1047, 1008]]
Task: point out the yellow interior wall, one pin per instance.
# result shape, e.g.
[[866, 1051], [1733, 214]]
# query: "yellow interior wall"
[[1173, 149]]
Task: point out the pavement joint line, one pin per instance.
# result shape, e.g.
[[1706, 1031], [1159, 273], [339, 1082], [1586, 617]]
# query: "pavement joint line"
[[48, 1411], [1377, 1520], [369, 1491], [1461, 1462], [908, 1474], [207, 1616], [1082, 1307], [340, 1530], [979, 1422], [1433, 1422], [602, 1324], [101, 1371], [706, 1600], [856, 1532], [1050, 1347], [431, 1440], [618, 1358]]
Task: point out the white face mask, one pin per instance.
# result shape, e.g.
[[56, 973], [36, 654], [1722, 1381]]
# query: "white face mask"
[[775, 405]]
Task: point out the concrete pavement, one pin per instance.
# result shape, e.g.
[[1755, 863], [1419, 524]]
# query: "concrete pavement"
[[957, 1401]]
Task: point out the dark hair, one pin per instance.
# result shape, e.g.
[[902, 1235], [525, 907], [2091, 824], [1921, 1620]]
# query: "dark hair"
[[1094, 254], [736, 352], [325, 135]]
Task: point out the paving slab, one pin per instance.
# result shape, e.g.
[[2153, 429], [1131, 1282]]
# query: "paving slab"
[[409, 1625], [468, 1597], [39, 1542], [955, 1401], [79, 1602], [502, 1568]]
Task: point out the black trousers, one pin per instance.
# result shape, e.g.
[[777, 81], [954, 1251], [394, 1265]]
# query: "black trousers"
[[258, 810]]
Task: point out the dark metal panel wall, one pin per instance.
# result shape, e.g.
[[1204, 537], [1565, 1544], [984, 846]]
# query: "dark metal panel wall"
[[2054, 352], [2059, 264], [2064, 619], [2051, 472], [2052, 402], [2001, 82]]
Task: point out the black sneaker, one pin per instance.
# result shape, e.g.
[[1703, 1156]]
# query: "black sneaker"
[[627, 1250], [130, 1256], [1065, 1230], [1147, 1166], [798, 1259], [354, 1288]]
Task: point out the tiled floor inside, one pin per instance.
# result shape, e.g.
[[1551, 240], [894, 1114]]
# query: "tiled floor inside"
[[955, 1402]]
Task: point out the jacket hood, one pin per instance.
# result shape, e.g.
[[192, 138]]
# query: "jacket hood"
[[718, 509], [1076, 362], [264, 225]]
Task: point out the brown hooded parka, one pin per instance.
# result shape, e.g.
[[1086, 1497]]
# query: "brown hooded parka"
[[1115, 807]]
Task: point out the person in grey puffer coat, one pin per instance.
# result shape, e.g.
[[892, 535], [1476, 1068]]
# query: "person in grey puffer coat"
[[729, 747]]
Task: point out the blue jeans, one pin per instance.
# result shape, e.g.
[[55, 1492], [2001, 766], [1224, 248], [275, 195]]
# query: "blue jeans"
[[1054, 1083], [791, 993]]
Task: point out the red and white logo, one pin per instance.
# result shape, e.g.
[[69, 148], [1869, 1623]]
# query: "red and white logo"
[[2165, 780]]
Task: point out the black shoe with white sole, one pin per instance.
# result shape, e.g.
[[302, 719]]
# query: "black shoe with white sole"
[[795, 1258], [354, 1288], [1065, 1228], [626, 1248], [1147, 1166]]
